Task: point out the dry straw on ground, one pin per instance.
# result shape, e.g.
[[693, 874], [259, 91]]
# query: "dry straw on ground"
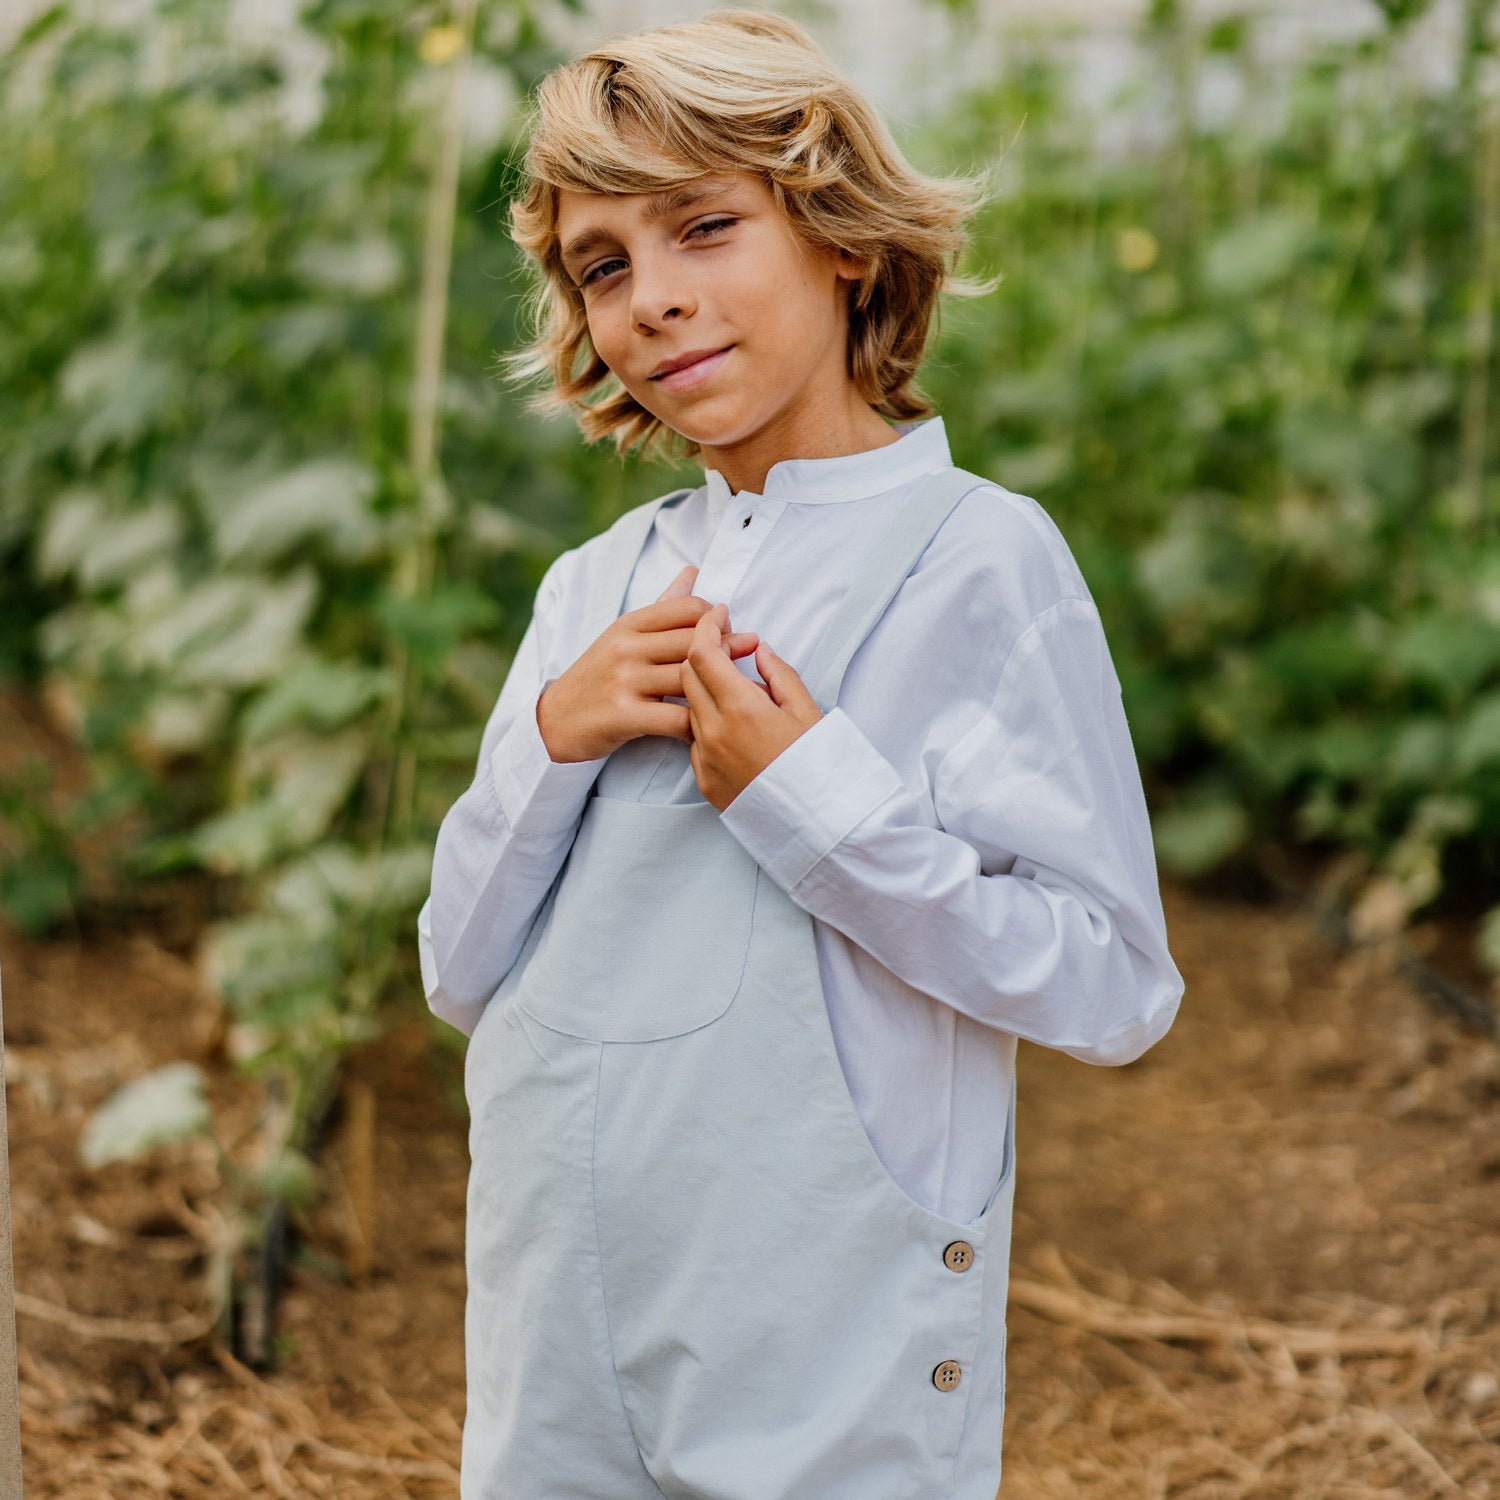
[[1263, 1261]]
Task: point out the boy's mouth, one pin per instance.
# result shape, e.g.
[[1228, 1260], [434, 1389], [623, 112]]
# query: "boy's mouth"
[[688, 369]]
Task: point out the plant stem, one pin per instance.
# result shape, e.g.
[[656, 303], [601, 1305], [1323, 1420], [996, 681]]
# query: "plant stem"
[[414, 567], [1480, 330], [437, 256]]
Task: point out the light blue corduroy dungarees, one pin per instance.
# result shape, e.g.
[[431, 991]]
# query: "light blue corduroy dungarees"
[[689, 1273]]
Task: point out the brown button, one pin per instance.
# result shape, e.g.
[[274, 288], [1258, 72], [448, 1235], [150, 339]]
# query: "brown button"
[[959, 1256], [945, 1377]]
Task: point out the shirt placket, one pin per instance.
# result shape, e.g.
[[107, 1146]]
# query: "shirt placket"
[[739, 536]]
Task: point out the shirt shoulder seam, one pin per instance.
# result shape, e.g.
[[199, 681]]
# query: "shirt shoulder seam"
[[1028, 513], [1037, 621], [953, 762]]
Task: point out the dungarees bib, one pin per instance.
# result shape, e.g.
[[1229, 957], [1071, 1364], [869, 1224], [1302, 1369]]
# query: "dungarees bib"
[[689, 1273]]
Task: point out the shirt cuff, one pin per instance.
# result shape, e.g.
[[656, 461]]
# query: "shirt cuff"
[[810, 798], [537, 794]]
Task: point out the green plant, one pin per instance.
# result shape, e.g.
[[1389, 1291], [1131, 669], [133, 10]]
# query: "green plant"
[[270, 529], [250, 286], [1247, 366]]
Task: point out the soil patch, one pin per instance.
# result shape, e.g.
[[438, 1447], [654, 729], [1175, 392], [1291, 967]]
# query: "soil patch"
[[1262, 1261]]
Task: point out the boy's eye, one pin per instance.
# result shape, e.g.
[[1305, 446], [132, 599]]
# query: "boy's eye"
[[711, 225], [594, 274], [708, 226]]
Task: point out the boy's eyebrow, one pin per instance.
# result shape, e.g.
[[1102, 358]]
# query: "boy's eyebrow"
[[667, 201]]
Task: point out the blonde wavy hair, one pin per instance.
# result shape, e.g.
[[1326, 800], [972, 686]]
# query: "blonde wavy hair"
[[733, 90]]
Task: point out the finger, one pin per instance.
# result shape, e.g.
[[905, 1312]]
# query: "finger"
[[707, 658], [667, 613], [681, 585], [672, 644], [659, 680], [667, 645], [787, 689], [670, 719], [700, 700]]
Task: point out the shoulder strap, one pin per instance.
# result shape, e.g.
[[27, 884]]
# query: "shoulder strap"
[[623, 540], [883, 571]]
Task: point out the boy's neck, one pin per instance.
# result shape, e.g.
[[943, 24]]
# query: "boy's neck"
[[745, 465]]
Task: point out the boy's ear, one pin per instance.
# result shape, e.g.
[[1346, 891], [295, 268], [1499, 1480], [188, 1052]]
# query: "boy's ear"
[[852, 266]]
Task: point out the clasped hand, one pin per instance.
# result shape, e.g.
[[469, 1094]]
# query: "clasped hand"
[[678, 646], [738, 726]]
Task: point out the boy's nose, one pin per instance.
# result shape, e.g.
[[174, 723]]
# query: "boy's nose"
[[657, 296]]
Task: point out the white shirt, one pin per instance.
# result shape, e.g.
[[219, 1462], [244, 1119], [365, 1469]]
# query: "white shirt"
[[966, 827]]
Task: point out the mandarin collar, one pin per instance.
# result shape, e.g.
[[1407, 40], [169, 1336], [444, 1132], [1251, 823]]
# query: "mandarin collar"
[[921, 448]]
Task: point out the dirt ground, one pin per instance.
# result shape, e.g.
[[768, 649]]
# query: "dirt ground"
[[1261, 1261]]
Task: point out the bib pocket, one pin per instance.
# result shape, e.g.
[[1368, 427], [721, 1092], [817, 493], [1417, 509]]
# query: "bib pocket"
[[648, 930]]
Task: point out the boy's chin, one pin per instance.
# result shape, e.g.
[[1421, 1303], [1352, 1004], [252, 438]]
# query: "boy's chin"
[[701, 423], [705, 434], [685, 422]]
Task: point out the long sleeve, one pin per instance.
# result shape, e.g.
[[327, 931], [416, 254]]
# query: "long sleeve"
[[503, 841], [1033, 907]]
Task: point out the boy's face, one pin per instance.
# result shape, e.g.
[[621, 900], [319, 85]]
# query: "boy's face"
[[708, 267]]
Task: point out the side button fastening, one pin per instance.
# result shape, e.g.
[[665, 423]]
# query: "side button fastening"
[[959, 1256]]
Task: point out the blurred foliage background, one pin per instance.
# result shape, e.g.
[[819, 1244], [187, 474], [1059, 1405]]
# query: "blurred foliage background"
[[270, 526]]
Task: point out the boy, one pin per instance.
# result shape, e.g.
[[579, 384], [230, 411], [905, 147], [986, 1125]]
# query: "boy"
[[744, 961]]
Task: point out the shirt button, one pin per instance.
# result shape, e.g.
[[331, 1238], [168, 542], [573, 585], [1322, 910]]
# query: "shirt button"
[[959, 1256], [945, 1377]]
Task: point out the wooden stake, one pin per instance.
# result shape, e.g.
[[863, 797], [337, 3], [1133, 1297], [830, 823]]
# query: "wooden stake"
[[10, 1386], [359, 1101]]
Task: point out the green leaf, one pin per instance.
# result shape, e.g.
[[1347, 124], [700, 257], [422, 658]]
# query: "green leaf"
[[39, 870], [326, 497], [38, 27], [1198, 570], [294, 335], [21, 262], [253, 958], [119, 547], [1177, 357], [66, 531], [1420, 751], [1323, 444], [289, 1175], [306, 777], [1347, 747], [1488, 940], [1406, 401], [339, 883], [1227, 34], [1401, 13], [316, 693], [230, 631], [176, 723], [1453, 652], [1196, 837], [1319, 666], [431, 628], [120, 390], [39, 890], [166, 1105], [1246, 259], [1478, 742], [366, 267], [241, 840]]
